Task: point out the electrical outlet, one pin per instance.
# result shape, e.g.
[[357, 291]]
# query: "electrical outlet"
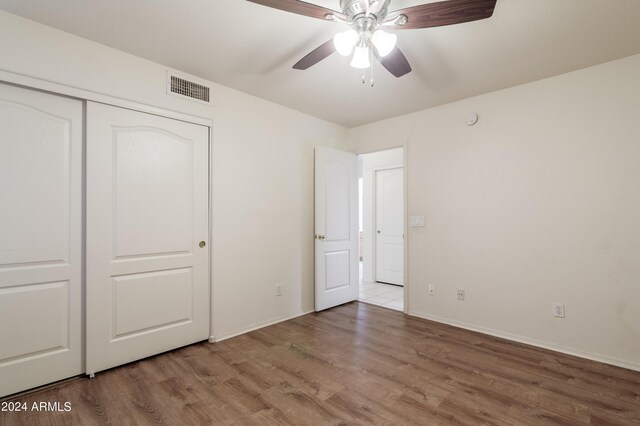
[[279, 289], [558, 310], [432, 290], [460, 294]]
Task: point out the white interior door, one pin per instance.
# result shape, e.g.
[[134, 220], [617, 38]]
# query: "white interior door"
[[390, 226], [40, 238], [336, 240], [147, 235]]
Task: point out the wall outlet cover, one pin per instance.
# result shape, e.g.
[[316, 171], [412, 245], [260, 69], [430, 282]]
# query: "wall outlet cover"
[[416, 221]]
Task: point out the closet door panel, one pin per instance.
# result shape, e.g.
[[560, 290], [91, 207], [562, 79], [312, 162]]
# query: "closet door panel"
[[147, 235], [40, 238]]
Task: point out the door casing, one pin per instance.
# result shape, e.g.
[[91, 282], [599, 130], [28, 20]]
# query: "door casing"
[[407, 236]]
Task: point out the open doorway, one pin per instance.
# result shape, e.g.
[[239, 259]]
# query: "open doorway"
[[381, 200]]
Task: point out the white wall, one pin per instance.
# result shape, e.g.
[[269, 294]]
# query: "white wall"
[[538, 203], [371, 162], [262, 169]]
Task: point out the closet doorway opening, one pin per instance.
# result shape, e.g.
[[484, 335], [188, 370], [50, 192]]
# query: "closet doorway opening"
[[382, 228]]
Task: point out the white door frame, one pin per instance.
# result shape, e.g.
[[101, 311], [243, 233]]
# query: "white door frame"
[[34, 83], [405, 186], [82, 94]]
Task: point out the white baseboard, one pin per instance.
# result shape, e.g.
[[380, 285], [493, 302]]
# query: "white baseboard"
[[484, 330], [256, 326], [528, 341]]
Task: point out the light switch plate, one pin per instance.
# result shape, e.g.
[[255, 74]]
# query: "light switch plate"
[[417, 221]]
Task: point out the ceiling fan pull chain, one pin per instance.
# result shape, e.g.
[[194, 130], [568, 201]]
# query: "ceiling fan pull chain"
[[371, 62], [364, 78]]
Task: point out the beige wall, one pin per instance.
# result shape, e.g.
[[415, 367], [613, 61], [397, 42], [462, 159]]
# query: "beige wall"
[[262, 169], [538, 203]]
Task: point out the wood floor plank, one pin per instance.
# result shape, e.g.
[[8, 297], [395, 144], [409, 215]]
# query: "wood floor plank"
[[354, 364]]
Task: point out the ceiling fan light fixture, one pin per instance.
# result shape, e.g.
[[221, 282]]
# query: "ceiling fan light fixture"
[[366, 16], [344, 42], [361, 58], [384, 42]]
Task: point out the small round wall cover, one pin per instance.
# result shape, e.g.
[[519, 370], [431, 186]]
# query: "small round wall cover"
[[471, 119]]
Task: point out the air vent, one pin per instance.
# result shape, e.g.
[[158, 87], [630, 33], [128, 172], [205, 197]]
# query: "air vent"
[[179, 86]]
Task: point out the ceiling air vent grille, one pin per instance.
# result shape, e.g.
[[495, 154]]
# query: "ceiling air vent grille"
[[188, 89]]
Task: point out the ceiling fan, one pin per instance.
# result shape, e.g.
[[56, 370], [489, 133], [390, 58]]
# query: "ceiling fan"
[[367, 18]]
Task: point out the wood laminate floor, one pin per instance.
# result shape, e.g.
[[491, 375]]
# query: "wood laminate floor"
[[354, 364]]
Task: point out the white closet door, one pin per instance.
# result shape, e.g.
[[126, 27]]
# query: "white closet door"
[[40, 238], [147, 235]]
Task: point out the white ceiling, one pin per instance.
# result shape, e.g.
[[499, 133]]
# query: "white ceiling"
[[252, 48]]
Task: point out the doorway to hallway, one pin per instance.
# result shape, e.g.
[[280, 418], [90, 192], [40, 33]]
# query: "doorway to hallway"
[[381, 225]]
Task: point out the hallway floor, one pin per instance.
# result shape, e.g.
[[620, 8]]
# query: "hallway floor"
[[385, 295]]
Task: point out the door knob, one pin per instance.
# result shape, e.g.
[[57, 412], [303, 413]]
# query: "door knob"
[[321, 237], [202, 244], [379, 231]]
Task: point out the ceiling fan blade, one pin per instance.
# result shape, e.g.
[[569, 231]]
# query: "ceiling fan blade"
[[300, 8], [395, 62], [376, 7], [444, 13], [315, 56]]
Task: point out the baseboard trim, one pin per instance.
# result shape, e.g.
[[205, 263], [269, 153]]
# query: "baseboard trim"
[[257, 326], [48, 386], [528, 341]]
